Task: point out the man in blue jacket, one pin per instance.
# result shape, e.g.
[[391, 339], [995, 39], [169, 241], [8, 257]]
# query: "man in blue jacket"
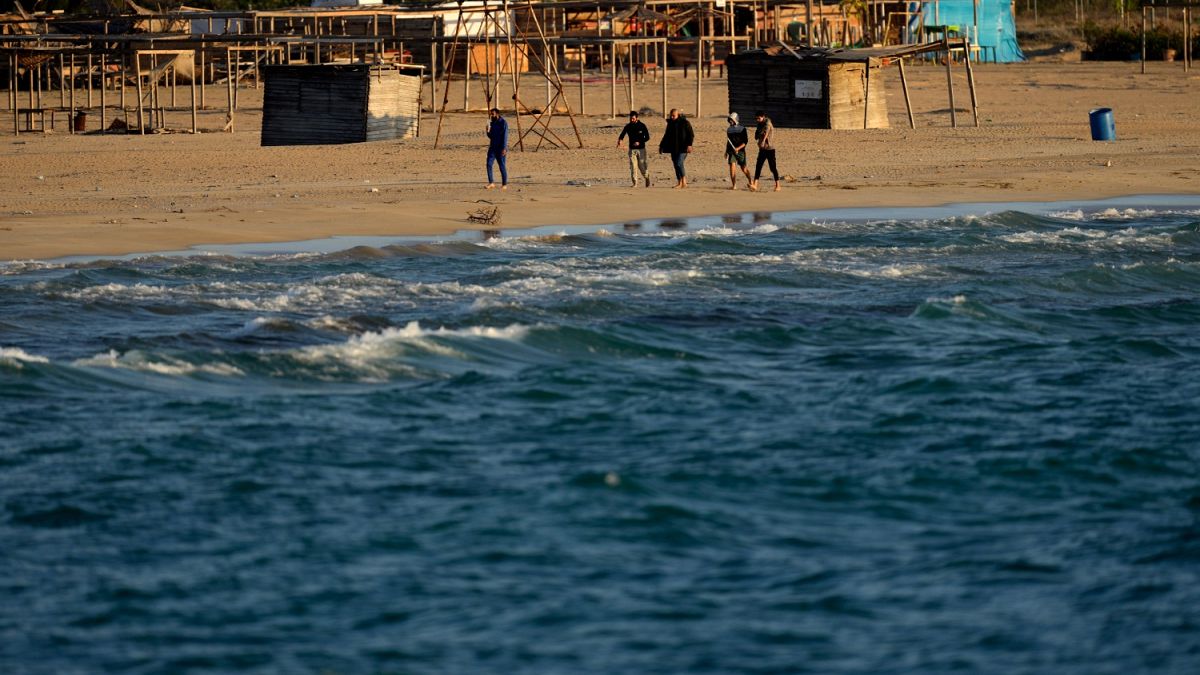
[[497, 133]]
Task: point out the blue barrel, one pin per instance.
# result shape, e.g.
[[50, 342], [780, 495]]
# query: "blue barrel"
[[1103, 128]]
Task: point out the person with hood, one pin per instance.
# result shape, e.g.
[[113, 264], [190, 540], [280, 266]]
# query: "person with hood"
[[677, 141], [638, 136], [497, 133], [736, 140]]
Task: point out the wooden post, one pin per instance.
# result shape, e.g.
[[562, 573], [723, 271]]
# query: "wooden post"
[[62, 82], [121, 85], [950, 82], [229, 95], [613, 79], [1187, 39], [808, 22], [699, 69], [582, 59], [1144, 39], [89, 79], [971, 81], [12, 90], [433, 75], [629, 78], [103, 104], [663, 68], [72, 125], [194, 91], [200, 73], [867, 93], [140, 108], [907, 102], [516, 77]]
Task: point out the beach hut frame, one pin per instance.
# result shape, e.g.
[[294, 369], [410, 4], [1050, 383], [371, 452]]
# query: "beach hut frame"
[[1151, 6]]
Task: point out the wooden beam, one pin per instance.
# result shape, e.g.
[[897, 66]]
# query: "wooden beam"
[[912, 124], [950, 82]]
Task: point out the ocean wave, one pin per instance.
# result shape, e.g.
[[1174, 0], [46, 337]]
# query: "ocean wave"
[[1092, 238], [160, 364], [14, 357]]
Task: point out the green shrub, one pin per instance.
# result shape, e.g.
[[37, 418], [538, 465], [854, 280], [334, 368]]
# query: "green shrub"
[[1114, 43]]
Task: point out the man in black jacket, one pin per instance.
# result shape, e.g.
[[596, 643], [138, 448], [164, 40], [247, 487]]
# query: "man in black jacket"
[[638, 135], [677, 140]]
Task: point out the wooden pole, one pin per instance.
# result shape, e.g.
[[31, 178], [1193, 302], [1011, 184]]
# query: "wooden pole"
[[867, 93], [200, 74], [971, 80], [808, 21], [194, 100], [229, 94], [12, 90], [613, 79], [699, 69], [140, 107], [89, 79], [514, 63], [103, 87], [907, 102], [433, 61], [582, 59], [1144, 40], [62, 82], [663, 68], [72, 98], [950, 82], [446, 93]]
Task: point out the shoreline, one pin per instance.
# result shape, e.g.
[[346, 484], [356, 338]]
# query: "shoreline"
[[341, 242], [113, 195]]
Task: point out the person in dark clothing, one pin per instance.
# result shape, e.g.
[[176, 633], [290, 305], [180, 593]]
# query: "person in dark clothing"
[[736, 140], [764, 138], [497, 133], [638, 135], [677, 141]]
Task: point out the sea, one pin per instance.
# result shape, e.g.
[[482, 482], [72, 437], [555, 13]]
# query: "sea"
[[953, 440]]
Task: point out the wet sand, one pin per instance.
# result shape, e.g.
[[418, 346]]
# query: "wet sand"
[[108, 195]]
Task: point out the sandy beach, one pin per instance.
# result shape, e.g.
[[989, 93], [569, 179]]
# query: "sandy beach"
[[107, 195]]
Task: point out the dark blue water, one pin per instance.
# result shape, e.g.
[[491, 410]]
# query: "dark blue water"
[[965, 444]]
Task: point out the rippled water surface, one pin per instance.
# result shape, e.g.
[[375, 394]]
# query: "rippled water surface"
[[773, 444]]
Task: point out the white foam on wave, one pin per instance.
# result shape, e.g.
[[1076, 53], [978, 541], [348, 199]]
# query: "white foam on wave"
[[121, 292], [17, 358], [1077, 214], [373, 355], [340, 290], [158, 363], [1129, 236], [524, 243], [16, 267]]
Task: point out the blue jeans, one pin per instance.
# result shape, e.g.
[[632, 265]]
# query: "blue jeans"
[[677, 160], [497, 155]]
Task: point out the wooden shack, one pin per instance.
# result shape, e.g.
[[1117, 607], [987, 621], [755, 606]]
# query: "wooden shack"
[[347, 103], [807, 89]]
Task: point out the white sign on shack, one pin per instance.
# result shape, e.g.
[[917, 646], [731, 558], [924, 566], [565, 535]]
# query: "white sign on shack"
[[808, 89]]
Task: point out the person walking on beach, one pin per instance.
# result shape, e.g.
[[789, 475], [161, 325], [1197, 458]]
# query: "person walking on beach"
[[497, 133], [736, 140], [638, 135], [677, 141], [763, 137]]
